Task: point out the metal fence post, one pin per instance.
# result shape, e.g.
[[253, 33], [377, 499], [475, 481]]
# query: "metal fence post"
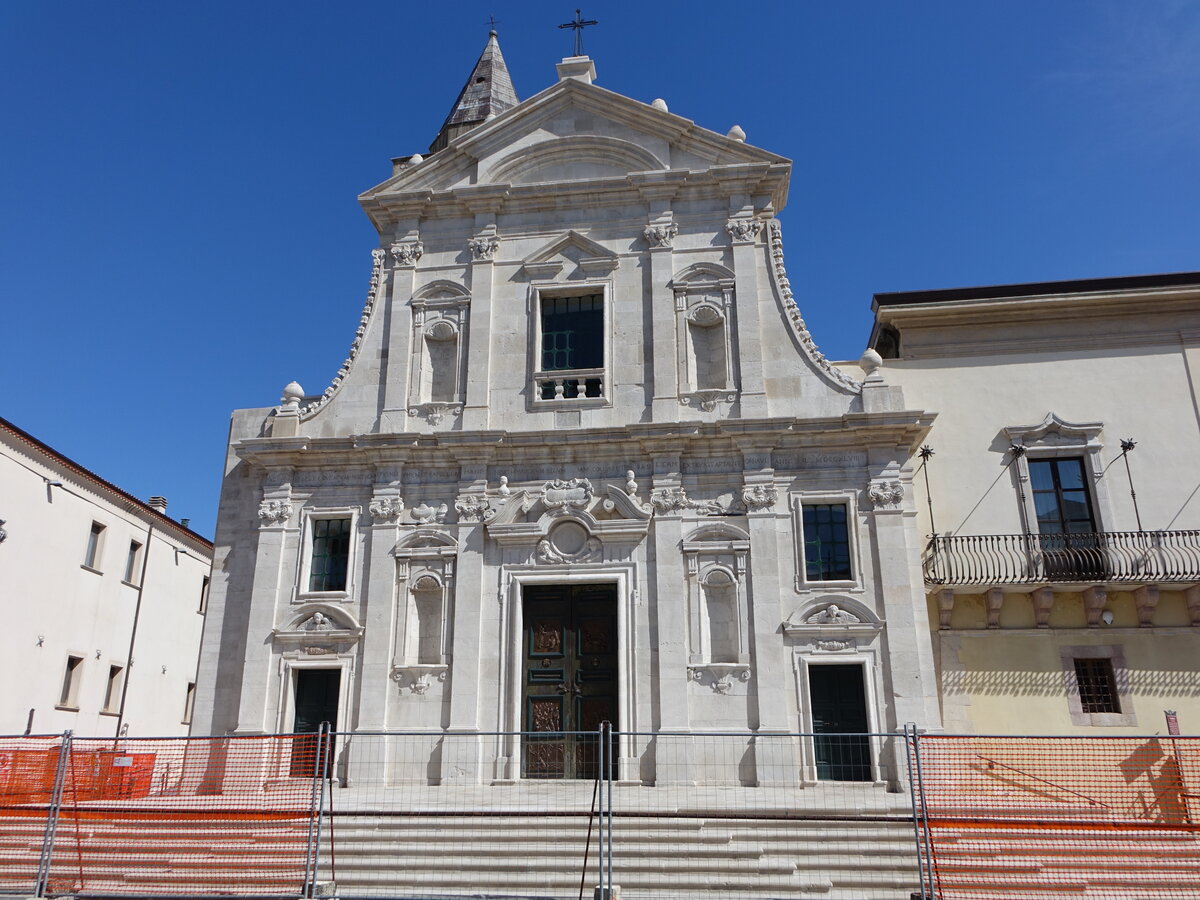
[[910, 749], [606, 810], [60, 773], [927, 861], [316, 807]]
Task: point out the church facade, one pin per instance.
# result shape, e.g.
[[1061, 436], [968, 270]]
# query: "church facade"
[[583, 462]]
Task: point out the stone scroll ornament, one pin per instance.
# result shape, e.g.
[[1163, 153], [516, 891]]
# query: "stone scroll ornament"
[[573, 493], [760, 497], [407, 253], [473, 508], [424, 514], [744, 229], [885, 494], [386, 509], [274, 512], [483, 249], [667, 500], [661, 235]]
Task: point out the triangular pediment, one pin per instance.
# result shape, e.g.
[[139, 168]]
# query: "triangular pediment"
[[570, 131], [575, 248]]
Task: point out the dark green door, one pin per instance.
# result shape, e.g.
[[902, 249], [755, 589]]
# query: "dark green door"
[[316, 702], [839, 712], [570, 677]]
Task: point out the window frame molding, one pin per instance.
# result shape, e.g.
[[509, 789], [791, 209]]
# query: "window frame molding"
[[692, 289], [91, 562], [1056, 438], [797, 501], [304, 563], [69, 691], [540, 291], [1115, 653]]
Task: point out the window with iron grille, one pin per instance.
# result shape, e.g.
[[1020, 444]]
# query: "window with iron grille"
[[826, 542], [330, 554], [1097, 686], [572, 347]]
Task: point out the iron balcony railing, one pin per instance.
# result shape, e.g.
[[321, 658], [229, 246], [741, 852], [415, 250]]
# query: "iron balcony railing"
[[1101, 556]]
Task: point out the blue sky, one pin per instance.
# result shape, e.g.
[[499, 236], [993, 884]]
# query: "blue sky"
[[179, 234]]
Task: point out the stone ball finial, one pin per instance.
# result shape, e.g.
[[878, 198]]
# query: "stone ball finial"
[[292, 395], [415, 158], [870, 361], [737, 134], [660, 103]]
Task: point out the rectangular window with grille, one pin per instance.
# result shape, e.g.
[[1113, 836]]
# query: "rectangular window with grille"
[[330, 554], [1097, 686], [571, 347], [826, 542]]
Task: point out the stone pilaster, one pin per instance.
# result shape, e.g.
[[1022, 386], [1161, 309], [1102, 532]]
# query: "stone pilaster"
[[403, 255], [744, 232], [909, 646], [378, 600], [275, 516]]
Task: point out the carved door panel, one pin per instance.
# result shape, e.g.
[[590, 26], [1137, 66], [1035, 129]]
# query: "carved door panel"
[[570, 677]]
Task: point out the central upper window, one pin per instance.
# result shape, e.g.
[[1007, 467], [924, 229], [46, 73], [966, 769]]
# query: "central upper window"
[[572, 358]]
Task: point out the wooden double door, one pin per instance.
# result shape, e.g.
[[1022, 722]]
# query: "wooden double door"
[[569, 677]]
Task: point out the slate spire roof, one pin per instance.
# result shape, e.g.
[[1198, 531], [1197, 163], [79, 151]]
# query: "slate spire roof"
[[488, 92]]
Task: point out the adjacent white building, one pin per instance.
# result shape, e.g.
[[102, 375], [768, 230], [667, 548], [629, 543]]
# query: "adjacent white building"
[[103, 597]]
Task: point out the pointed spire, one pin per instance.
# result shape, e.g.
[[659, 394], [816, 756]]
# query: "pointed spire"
[[488, 92]]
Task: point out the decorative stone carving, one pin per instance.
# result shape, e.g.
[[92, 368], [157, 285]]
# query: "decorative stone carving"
[[274, 512], [833, 615], [569, 542], [667, 500], [364, 320], [886, 494], [504, 489], [418, 678], [807, 344], [317, 651], [3, 533], [759, 497], [483, 248], [574, 493], [318, 621], [631, 485], [386, 509], [707, 400], [835, 646], [720, 677], [472, 508], [424, 514], [744, 229], [661, 235], [435, 412], [407, 253]]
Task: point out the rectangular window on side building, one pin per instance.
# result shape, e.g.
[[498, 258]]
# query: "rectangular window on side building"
[[133, 563], [91, 556], [189, 703], [1097, 686], [112, 692], [330, 555], [204, 595], [826, 542], [68, 698]]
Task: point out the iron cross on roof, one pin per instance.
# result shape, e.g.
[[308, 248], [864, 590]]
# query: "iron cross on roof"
[[578, 25]]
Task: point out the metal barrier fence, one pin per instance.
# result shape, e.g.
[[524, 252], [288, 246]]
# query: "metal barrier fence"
[[1107, 818], [568, 814]]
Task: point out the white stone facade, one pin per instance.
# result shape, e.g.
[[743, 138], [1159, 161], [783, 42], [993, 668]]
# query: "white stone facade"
[[470, 466], [91, 574]]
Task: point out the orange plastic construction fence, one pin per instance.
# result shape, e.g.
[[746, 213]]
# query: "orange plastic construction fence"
[[160, 816], [1035, 817]]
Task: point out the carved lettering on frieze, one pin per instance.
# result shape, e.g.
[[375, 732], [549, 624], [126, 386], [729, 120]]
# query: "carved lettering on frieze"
[[318, 651], [407, 253], [274, 512], [885, 494], [661, 235], [834, 646]]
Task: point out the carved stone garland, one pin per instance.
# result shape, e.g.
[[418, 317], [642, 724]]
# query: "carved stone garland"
[[661, 235], [759, 497], [775, 240], [407, 253], [386, 509], [666, 500], [483, 248], [473, 508], [885, 494], [378, 255], [743, 229]]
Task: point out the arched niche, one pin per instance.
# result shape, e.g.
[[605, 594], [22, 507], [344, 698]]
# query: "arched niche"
[[704, 310], [437, 367]]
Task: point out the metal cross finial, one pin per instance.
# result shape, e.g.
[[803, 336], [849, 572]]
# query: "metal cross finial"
[[492, 24], [578, 25]]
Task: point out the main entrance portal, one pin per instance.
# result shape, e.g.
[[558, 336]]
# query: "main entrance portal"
[[569, 677]]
